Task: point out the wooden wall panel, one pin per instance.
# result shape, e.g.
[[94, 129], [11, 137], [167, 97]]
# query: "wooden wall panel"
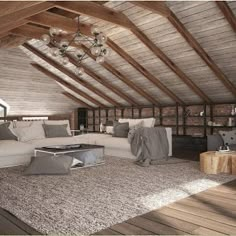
[[28, 91]]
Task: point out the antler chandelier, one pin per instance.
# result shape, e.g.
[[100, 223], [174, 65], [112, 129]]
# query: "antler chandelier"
[[62, 43]]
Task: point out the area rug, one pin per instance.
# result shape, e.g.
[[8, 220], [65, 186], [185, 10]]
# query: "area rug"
[[92, 199]]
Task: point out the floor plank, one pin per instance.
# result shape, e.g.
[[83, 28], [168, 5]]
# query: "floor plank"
[[205, 213]]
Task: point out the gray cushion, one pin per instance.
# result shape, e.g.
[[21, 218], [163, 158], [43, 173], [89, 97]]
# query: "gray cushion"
[[87, 157], [54, 131], [5, 132], [229, 137], [120, 129], [49, 165], [232, 147]]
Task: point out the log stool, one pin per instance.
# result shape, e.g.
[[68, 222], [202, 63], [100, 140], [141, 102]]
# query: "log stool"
[[215, 162]]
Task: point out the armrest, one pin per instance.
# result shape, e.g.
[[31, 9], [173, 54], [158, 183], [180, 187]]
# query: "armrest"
[[214, 142]]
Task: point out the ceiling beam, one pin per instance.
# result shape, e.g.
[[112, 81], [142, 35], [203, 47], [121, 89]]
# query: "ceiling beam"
[[227, 12], [122, 78], [77, 100], [12, 41], [8, 7], [107, 14], [154, 7], [11, 25], [101, 80], [95, 10], [51, 19], [8, 21], [202, 53], [70, 74], [66, 84], [143, 71], [36, 32], [157, 51], [158, 7]]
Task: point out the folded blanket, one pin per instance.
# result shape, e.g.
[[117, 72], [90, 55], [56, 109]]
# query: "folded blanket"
[[150, 145]]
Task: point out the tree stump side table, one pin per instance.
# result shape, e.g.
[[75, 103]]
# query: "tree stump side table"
[[214, 162]]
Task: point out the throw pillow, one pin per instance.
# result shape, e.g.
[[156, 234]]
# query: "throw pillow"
[[229, 137], [6, 133], [133, 129], [32, 132], [49, 165], [120, 129], [54, 131]]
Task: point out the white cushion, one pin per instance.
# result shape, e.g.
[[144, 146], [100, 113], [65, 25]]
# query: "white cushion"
[[109, 129], [32, 132], [59, 122], [147, 122], [12, 148], [53, 141], [21, 124]]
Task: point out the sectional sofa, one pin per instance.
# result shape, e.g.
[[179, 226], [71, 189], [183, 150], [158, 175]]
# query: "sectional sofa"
[[13, 153]]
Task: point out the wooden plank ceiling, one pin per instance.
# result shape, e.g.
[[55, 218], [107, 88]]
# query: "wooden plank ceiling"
[[161, 53]]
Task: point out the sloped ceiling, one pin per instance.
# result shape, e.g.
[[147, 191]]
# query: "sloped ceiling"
[[26, 90], [204, 20]]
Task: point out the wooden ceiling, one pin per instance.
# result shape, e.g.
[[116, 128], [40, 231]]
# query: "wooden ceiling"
[[161, 53]]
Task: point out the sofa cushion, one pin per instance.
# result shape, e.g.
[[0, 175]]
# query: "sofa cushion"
[[49, 165], [120, 129], [229, 137], [53, 131], [53, 141], [22, 124], [27, 133], [12, 148], [6, 133], [147, 122], [59, 122]]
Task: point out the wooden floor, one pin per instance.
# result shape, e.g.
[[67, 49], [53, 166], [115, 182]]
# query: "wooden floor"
[[212, 212]]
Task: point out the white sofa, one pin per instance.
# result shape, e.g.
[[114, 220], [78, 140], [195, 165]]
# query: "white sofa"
[[13, 153]]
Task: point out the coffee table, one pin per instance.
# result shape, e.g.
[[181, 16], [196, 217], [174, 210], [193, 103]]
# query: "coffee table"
[[75, 151], [213, 162]]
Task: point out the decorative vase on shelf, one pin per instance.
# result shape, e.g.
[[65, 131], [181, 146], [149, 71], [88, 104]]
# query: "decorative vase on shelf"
[[101, 127], [230, 121], [233, 111]]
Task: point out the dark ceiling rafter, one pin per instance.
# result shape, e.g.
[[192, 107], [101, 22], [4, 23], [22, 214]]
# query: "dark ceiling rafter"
[[37, 32], [155, 7], [77, 100], [121, 77], [70, 74], [227, 12], [102, 81], [66, 84], [107, 14], [12, 41], [17, 18], [44, 18], [143, 71], [8, 7]]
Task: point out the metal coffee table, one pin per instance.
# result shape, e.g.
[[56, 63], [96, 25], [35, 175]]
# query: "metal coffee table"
[[74, 151]]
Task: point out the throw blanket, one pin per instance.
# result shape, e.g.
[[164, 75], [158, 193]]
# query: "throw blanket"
[[150, 145]]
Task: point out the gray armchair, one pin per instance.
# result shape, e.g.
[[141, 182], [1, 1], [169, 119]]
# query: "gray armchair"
[[215, 141]]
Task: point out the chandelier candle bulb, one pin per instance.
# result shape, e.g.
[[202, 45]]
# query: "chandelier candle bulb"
[[80, 70], [65, 60], [100, 59], [46, 39], [54, 31], [96, 51], [95, 30]]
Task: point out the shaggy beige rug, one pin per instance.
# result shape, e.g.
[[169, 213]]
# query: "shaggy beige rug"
[[91, 199]]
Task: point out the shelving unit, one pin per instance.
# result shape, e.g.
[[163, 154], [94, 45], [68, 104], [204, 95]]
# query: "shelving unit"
[[170, 116]]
